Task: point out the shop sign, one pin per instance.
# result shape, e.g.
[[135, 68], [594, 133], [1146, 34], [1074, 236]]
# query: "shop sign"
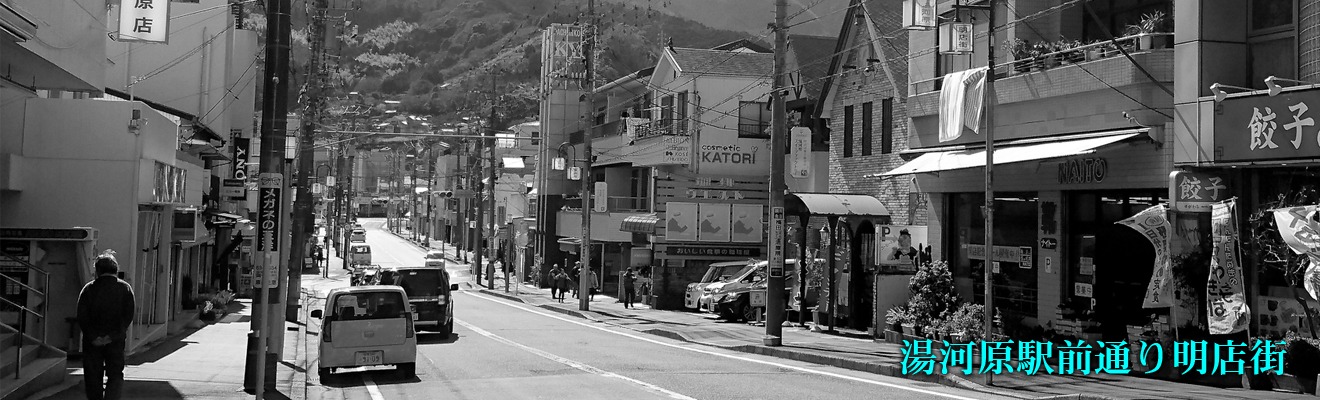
[[268, 214], [601, 197], [1268, 127], [728, 154], [678, 150], [919, 14], [1049, 243], [704, 251], [144, 21], [241, 158], [721, 151], [777, 242], [1083, 170], [1196, 191], [900, 246], [1083, 289], [48, 234], [233, 189], [1011, 254], [562, 57], [800, 152], [1025, 259], [170, 182]]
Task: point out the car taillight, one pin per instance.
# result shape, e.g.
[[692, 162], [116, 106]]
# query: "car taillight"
[[325, 331], [442, 300], [410, 325]]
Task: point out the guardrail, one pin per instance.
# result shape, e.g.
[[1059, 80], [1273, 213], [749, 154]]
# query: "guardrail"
[[24, 311]]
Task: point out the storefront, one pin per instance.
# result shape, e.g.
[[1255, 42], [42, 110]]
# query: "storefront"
[[1056, 244]]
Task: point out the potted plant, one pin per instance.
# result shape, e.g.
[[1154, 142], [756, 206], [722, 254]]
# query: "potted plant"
[[966, 324], [1150, 23], [895, 318], [931, 294], [1074, 54], [1022, 56], [1043, 55]]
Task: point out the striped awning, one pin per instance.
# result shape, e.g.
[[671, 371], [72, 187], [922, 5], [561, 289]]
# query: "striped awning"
[[647, 224]]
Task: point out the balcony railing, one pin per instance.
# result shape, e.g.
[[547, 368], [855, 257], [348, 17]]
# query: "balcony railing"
[[1029, 62], [677, 127], [612, 128], [614, 204], [758, 130]]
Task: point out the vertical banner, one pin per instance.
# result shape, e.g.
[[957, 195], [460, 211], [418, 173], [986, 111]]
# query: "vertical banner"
[[800, 152], [240, 157], [600, 199], [1297, 226], [1153, 223], [1225, 298], [776, 242], [144, 21], [747, 226], [714, 222], [681, 222]]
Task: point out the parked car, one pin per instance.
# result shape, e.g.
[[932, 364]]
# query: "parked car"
[[429, 293], [366, 326], [708, 294], [435, 258], [359, 254], [715, 273], [357, 235], [364, 275], [732, 301]]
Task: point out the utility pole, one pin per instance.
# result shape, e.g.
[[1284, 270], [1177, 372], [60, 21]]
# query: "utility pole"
[[490, 130], [302, 211], [481, 211], [274, 122], [775, 301], [989, 210], [588, 52], [465, 177]]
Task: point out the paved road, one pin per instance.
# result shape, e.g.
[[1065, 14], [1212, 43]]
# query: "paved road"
[[507, 350]]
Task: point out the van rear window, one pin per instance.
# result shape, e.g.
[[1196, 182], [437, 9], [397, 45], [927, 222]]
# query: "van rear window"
[[420, 282], [362, 250], [368, 305]]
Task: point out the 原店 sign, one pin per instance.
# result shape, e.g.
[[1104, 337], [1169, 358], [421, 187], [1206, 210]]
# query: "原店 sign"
[[1268, 127], [1196, 191], [144, 21]]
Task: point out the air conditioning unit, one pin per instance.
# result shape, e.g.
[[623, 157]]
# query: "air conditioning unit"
[[188, 225]]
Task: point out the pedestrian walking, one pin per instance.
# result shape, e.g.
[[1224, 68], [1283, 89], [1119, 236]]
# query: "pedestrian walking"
[[105, 310], [573, 277], [593, 285], [629, 284], [554, 281], [564, 283]]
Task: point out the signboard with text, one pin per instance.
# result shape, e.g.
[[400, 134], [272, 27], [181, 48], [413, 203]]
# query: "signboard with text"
[[1268, 127], [713, 251], [1196, 191], [144, 21], [269, 197], [562, 60], [776, 242], [241, 158], [233, 189], [800, 152]]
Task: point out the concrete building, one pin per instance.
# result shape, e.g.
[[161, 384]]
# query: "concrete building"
[[1081, 143]]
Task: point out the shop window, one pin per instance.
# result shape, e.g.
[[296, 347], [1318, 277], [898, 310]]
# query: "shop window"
[[1016, 221]]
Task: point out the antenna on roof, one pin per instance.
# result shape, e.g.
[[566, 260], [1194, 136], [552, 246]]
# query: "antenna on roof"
[[670, 43]]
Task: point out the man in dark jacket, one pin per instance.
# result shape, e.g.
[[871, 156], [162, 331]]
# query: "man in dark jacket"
[[105, 310]]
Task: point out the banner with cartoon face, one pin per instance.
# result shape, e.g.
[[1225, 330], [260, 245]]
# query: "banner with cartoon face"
[[714, 222], [747, 223], [681, 222]]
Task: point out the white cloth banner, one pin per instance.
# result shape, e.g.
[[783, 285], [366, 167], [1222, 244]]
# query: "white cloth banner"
[[1154, 224], [1298, 227], [961, 97], [1225, 297]]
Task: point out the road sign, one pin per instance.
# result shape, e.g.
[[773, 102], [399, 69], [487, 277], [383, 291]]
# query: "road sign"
[[268, 214], [777, 242], [758, 298]]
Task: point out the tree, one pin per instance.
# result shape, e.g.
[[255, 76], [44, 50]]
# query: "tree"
[[1273, 254]]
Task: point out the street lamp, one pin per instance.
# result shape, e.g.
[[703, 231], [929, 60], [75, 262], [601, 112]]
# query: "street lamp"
[[1275, 89], [1220, 95]]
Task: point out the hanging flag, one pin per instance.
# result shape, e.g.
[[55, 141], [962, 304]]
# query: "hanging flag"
[[1225, 298], [1298, 227], [1153, 223]]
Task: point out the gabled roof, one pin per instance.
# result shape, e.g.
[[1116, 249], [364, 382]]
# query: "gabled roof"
[[813, 53], [745, 44], [878, 18], [722, 62]]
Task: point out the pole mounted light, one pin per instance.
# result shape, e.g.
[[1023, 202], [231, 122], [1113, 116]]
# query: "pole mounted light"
[[1220, 95], [1273, 83]]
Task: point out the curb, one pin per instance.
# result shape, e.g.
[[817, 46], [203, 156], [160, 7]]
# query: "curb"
[[300, 358], [571, 313]]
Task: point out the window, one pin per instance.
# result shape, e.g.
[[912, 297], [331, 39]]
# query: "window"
[[753, 119], [667, 111], [1014, 285], [867, 136], [1117, 15], [1271, 41], [368, 305], [681, 108], [886, 126], [535, 141], [847, 131]]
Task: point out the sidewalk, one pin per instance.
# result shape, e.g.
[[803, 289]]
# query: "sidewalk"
[[205, 362]]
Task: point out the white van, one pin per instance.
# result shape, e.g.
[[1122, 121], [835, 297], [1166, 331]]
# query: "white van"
[[365, 326]]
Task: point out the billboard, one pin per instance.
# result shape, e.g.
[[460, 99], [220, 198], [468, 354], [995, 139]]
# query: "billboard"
[[901, 247], [562, 63]]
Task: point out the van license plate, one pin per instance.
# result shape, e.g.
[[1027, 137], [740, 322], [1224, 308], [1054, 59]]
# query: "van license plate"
[[370, 358]]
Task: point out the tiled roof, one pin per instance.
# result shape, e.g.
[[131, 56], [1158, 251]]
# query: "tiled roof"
[[813, 56], [720, 62]]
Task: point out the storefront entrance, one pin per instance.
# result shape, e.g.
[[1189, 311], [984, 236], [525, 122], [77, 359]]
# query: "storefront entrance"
[[1015, 279], [1108, 265]]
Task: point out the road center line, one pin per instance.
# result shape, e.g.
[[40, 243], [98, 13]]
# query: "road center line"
[[584, 367], [730, 356], [371, 387]]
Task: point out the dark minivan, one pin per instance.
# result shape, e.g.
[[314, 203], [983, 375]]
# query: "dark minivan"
[[429, 293]]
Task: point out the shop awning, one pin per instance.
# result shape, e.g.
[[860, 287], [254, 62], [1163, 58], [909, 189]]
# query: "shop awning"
[[647, 224], [829, 204], [1012, 152]]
